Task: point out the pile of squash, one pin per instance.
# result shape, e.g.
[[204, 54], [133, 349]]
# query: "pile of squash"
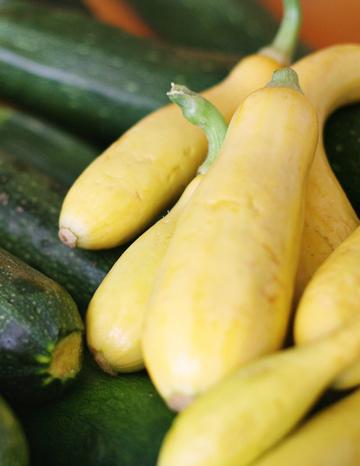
[[205, 263]]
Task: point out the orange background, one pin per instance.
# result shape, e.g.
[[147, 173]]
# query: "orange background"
[[325, 22]]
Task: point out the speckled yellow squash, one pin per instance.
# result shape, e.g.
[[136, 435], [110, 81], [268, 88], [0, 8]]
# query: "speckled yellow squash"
[[332, 437], [222, 295], [134, 179], [331, 298], [329, 78], [251, 410], [115, 316]]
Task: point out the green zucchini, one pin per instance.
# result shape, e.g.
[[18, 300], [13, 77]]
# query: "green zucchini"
[[45, 146], [29, 210], [91, 76], [13, 445], [102, 421], [227, 25], [342, 143], [73, 4], [40, 333]]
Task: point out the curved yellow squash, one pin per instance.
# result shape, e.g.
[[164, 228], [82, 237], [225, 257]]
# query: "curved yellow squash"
[[329, 78], [119, 194], [332, 437], [115, 316], [331, 298], [121, 301], [223, 292], [251, 410]]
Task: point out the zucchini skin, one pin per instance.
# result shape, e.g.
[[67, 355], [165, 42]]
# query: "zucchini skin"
[[230, 25], [91, 76], [46, 147], [342, 144], [30, 207], [102, 421], [13, 445], [35, 314]]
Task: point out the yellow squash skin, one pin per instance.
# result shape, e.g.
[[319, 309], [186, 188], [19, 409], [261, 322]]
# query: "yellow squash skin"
[[248, 412], [223, 292], [332, 438], [331, 298], [116, 313], [136, 177], [329, 78]]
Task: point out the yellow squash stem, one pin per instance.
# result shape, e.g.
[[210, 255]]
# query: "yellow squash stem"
[[332, 437], [223, 292], [329, 78], [117, 310], [120, 193], [331, 298], [251, 410]]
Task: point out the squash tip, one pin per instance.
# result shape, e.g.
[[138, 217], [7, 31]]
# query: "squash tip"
[[179, 401], [68, 237]]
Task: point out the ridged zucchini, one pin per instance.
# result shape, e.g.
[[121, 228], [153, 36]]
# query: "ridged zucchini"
[[29, 208], [342, 143], [40, 333], [102, 421], [52, 150], [89, 75], [13, 445]]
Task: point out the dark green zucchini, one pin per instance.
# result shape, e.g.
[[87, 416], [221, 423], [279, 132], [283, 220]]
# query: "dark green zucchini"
[[44, 146], [342, 143], [102, 421], [29, 210], [91, 76], [237, 26], [13, 445], [73, 4], [40, 333]]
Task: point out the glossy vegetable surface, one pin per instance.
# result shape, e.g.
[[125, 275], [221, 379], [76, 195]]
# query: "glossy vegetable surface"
[[117, 311], [331, 437], [223, 293], [29, 207], [102, 421], [249, 411], [150, 165], [331, 299], [44, 146], [40, 333], [89, 76]]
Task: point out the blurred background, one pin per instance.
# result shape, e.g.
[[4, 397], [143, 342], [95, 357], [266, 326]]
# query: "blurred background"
[[325, 22]]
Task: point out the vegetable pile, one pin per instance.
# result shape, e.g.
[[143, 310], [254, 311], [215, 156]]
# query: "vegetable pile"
[[190, 296]]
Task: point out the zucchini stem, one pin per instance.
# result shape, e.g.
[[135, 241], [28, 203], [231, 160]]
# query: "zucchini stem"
[[285, 77], [204, 114], [284, 44]]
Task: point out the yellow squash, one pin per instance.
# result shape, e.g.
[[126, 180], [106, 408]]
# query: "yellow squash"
[[329, 78], [248, 412], [331, 298], [222, 295], [332, 438], [115, 316], [150, 165]]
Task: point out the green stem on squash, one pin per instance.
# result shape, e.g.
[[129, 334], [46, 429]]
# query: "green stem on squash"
[[284, 44], [285, 77], [202, 113]]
